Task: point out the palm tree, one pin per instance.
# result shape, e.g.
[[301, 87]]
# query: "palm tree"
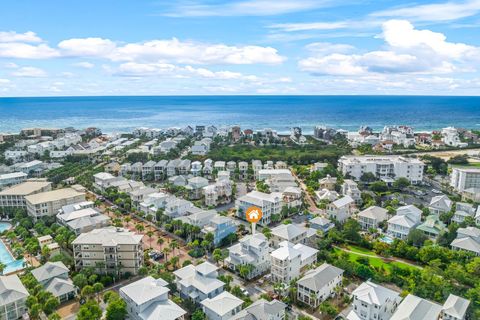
[[160, 241], [127, 219], [166, 251], [174, 261], [150, 235], [173, 245], [139, 227], [97, 288], [2, 268]]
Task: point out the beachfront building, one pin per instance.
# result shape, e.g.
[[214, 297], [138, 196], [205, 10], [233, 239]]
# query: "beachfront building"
[[53, 276], [451, 137], [405, 220], [462, 179], [371, 217], [289, 259], [198, 282], [383, 167], [341, 209], [440, 204], [9, 179], [269, 203], [14, 197], [250, 250], [222, 307], [317, 285], [373, 302], [147, 299], [13, 298], [263, 310], [468, 239], [48, 203], [109, 250]]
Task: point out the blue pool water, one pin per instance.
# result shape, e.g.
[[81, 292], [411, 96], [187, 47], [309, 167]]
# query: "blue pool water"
[[387, 239], [4, 226], [8, 260]]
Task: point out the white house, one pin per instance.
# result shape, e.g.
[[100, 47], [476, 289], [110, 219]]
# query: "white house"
[[341, 209], [263, 310], [468, 239], [53, 276], [293, 233], [406, 219], [415, 308], [454, 308], [373, 302], [350, 188], [269, 203], [440, 204], [13, 298], [289, 259], [463, 210], [250, 250], [371, 217], [462, 179], [147, 299], [198, 282], [222, 307], [319, 284]]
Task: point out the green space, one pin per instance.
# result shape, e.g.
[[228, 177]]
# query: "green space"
[[291, 154], [376, 262]]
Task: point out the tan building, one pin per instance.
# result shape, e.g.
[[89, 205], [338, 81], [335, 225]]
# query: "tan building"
[[109, 250], [48, 203], [14, 197]]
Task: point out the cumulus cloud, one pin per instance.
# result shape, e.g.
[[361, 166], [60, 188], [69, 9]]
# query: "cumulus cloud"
[[409, 51], [12, 36], [29, 72], [87, 47], [20, 50]]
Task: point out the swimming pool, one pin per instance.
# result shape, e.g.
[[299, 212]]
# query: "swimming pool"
[[4, 226], [11, 265], [387, 239]]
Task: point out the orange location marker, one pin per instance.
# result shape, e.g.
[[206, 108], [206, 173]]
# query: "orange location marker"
[[254, 214]]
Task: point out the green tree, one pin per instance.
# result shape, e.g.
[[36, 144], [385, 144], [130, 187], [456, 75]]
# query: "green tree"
[[80, 280], [89, 311], [198, 315], [50, 305], [116, 308]]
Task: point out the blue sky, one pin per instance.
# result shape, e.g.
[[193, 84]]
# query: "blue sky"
[[56, 48]]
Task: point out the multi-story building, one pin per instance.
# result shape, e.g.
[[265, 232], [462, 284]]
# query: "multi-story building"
[[440, 204], [9, 179], [289, 259], [350, 188], [250, 250], [465, 178], [341, 209], [147, 299], [198, 282], [14, 197], [53, 276], [468, 239], [373, 302], [263, 310], [109, 250], [293, 233], [222, 307], [319, 284], [220, 227], [406, 219], [269, 203], [83, 220], [48, 203], [371, 217], [462, 211], [383, 167], [13, 298]]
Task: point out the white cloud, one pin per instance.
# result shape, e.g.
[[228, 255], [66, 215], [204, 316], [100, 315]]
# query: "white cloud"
[[189, 52], [444, 11], [12, 36], [87, 47], [84, 65], [409, 51], [133, 69], [327, 47], [4, 81], [29, 72], [18, 50], [247, 8]]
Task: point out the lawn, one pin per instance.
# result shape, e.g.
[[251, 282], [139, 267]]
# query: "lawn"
[[374, 261], [357, 249]]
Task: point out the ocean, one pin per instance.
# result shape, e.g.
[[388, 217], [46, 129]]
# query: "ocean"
[[124, 113]]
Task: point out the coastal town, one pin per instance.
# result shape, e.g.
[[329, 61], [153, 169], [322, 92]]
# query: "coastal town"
[[157, 223]]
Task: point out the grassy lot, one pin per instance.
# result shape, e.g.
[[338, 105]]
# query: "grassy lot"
[[376, 261], [357, 249]]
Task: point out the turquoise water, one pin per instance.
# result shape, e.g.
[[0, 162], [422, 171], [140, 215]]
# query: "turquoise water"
[[4, 226], [387, 239], [6, 258], [122, 114]]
